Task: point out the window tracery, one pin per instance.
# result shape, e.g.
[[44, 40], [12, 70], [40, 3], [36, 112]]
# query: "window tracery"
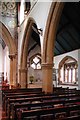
[[68, 71], [35, 62]]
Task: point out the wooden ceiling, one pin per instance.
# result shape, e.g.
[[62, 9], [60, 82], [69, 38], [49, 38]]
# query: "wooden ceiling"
[[68, 33]]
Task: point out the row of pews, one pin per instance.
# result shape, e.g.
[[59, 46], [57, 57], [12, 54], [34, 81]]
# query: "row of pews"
[[33, 104]]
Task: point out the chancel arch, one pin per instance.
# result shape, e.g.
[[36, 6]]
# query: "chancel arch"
[[9, 41], [30, 30]]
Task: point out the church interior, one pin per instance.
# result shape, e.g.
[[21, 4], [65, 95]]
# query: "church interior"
[[39, 60]]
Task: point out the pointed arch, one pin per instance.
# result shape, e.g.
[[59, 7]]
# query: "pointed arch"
[[35, 55], [28, 29], [49, 44], [6, 36], [50, 31], [9, 41], [64, 59], [24, 52]]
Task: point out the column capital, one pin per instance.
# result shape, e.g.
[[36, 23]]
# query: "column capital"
[[47, 65], [12, 56]]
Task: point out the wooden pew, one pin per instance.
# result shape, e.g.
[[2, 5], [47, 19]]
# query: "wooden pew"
[[15, 95], [15, 91], [22, 90], [61, 96], [43, 98], [48, 98], [43, 104], [31, 92], [61, 89], [39, 112], [28, 99], [20, 95], [77, 117], [18, 91]]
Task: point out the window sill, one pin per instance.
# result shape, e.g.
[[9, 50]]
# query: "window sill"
[[70, 84]]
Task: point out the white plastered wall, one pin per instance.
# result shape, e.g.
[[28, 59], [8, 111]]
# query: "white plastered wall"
[[39, 13], [4, 62]]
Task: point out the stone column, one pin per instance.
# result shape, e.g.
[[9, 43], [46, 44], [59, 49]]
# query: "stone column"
[[23, 77], [13, 69], [47, 70]]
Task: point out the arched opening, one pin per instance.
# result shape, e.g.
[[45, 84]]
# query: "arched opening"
[[49, 42], [68, 44], [11, 48], [30, 46]]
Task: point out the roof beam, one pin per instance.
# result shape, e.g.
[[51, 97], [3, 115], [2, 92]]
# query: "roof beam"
[[36, 30], [67, 42], [71, 21], [61, 45], [57, 50], [77, 12], [63, 28], [76, 42], [36, 37]]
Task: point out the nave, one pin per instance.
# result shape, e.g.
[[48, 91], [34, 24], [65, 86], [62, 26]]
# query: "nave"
[[41, 50], [33, 104]]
